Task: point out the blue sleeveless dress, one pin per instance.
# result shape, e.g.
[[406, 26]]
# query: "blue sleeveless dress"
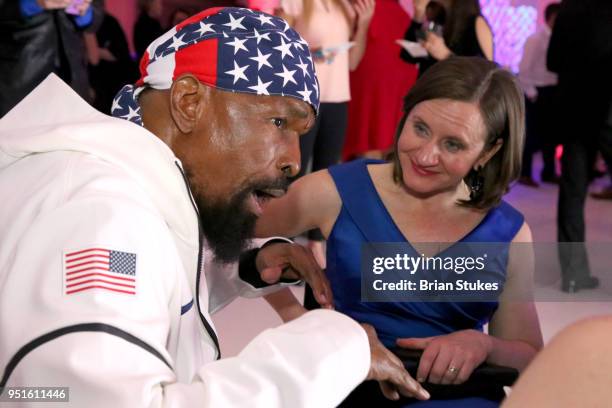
[[363, 218]]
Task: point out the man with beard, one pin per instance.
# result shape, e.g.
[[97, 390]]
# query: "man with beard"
[[106, 280]]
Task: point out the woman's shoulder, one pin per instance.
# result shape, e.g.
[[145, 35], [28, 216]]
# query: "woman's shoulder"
[[353, 166], [507, 220]]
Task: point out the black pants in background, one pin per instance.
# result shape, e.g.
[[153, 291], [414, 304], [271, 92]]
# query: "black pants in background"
[[324, 142], [542, 132], [576, 168]]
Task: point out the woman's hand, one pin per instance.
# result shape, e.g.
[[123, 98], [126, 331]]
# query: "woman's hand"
[[365, 12], [451, 358], [436, 47]]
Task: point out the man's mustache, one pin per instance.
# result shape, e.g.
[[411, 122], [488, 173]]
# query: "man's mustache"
[[280, 184]]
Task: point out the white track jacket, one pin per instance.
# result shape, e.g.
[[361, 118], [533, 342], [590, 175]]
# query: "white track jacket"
[[104, 288]]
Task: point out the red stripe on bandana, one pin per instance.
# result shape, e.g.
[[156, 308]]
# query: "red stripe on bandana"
[[200, 60]]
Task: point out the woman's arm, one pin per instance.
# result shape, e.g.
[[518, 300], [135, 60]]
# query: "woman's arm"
[[312, 201], [514, 329], [419, 10], [484, 35], [285, 304], [92, 48], [365, 11]]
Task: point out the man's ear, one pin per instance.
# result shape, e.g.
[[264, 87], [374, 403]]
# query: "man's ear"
[[186, 102]]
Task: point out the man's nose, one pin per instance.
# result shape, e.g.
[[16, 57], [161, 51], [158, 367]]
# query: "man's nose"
[[289, 162]]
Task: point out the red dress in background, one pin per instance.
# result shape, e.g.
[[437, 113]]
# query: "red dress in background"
[[379, 83]]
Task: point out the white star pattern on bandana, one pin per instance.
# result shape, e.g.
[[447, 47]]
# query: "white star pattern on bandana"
[[132, 113], [305, 94], [263, 19], [204, 28], [238, 72], [261, 88], [259, 37], [238, 45], [286, 75], [253, 53], [177, 42], [235, 24], [261, 60], [284, 48]]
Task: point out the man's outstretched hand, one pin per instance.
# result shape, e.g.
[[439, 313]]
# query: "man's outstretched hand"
[[388, 370], [293, 261]]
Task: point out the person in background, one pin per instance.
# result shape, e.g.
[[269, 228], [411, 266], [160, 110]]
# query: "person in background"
[[40, 37], [179, 15], [328, 26], [147, 27], [378, 85], [606, 192], [110, 63], [465, 33], [540, 86], [580, 52]]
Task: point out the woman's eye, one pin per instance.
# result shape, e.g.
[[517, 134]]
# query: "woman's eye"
[[279, 122], [453, 146], [420, 129]]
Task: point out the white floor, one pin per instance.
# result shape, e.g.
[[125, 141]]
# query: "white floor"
[[245, 318]]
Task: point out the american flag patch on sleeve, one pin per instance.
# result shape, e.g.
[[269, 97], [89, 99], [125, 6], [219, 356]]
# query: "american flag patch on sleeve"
[[99, 268]]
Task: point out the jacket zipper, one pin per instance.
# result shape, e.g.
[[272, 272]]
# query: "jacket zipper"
[[205, 322]]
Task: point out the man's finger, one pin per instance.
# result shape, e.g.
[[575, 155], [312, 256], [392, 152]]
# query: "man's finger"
[[388, 390], [271, 274], [414, 342], [408, 387], [321, 287], [309, 269]]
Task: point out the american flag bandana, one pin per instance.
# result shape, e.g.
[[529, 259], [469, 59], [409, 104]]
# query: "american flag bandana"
[[229, 48], [99, 268]]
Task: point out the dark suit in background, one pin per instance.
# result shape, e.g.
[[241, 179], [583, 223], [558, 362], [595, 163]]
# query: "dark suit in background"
[[580, 52], [35, 42]]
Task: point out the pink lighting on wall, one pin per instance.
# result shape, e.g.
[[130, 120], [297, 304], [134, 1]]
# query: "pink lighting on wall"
[[511, 25]]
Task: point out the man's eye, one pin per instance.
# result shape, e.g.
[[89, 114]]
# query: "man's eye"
[[279, 122]]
